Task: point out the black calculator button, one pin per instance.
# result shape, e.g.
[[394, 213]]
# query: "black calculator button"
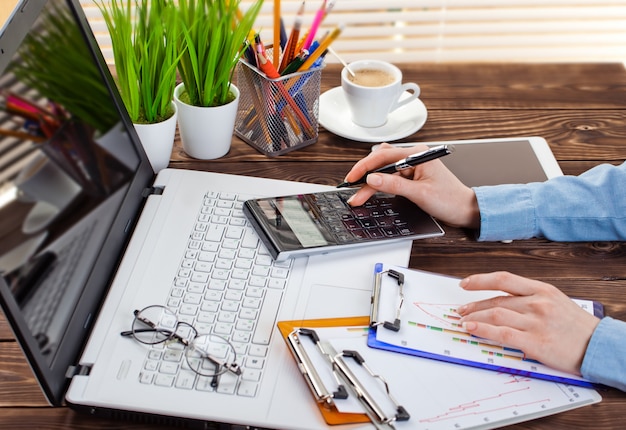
[[390, 231], [367, 222], [391, 212], [384, 221], [361, 212], [360, 234], [375, 233], [351, 224], [405, 231]]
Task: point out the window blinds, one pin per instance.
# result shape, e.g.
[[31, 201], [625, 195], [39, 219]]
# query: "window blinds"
[[455, 30]]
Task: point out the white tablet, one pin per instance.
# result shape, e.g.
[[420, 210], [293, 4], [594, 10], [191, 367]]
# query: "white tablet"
[[498, 161]]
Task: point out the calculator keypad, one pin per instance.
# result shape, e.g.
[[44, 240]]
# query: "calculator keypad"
[[379, 217]]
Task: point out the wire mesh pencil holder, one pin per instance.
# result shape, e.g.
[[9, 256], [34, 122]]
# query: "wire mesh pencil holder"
[[276, 116]]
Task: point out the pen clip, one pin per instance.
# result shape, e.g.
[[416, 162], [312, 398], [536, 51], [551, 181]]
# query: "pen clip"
[[424, 156]]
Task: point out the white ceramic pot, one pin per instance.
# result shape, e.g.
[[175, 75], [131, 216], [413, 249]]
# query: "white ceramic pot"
[[206, 132], [158, 140]]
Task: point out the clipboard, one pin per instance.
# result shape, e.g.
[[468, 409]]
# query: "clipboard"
[[414, 312], [331, 414], [347, 382]]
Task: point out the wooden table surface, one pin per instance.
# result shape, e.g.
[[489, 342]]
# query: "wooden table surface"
[[580, 109]]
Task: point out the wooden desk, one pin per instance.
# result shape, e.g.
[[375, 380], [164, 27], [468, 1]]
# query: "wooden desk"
[[579, 108]]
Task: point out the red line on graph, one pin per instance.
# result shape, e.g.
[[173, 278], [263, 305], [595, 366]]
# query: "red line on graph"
[[472, 408]]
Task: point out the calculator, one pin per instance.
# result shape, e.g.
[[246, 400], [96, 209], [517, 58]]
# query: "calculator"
[[315, 223]]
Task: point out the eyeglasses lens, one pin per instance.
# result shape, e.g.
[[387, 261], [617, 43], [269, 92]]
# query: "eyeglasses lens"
[[154, 324], [207, 354]]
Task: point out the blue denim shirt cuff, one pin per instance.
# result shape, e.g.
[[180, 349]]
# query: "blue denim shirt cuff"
[[605, 359], [506, 212]]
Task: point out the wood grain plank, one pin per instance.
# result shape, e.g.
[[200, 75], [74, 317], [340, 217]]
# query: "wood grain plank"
[[5, 331], [17, 382], [512, 86], [590, 260], [572, 135]]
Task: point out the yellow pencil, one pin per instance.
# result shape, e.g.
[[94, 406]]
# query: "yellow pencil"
[[276, 53], [321, 48]]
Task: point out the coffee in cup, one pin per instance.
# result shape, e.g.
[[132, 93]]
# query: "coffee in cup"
[[375, 90], [371, 78]]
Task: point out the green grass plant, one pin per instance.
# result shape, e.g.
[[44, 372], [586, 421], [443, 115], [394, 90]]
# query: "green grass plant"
[[213, 38], [143, 36]]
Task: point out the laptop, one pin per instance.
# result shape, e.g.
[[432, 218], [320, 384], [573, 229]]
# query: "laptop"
[[89, 235]]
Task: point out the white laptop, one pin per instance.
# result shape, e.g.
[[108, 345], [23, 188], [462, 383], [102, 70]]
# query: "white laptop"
[[99, 237]]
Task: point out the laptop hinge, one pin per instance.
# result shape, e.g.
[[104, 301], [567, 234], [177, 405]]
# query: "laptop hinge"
[[79, 370], [152, 191]]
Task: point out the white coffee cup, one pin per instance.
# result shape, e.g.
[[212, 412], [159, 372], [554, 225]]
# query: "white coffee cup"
[[376, 91]]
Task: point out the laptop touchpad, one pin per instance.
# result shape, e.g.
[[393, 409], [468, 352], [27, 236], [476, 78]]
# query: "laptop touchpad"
[[332, 301], [341, 281]]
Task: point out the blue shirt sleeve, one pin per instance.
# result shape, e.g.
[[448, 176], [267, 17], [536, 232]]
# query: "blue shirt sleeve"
[[589, 207], [605, 358]]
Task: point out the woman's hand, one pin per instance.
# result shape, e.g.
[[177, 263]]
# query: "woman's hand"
[[536, 318], [430, 185]]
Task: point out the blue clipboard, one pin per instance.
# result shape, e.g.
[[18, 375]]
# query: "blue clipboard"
[[401, 279]]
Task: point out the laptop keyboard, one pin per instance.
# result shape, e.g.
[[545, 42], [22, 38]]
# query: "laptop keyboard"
[[229, 285]]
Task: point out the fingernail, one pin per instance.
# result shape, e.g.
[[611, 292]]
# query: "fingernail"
[[349, 201], [461, 309], [469, 325], [464, 282], [374, 180]]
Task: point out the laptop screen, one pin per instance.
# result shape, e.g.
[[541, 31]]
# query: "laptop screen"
[[71, 177]]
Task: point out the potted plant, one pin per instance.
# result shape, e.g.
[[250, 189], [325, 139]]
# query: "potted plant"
[[143, 37], [213, 37]]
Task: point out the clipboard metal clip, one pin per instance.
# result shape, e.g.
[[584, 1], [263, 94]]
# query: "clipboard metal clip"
[[399, 277], [321, 393], [373, 410], [341, 372]]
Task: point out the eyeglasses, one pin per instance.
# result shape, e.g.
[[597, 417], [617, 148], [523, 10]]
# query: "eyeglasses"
[[206, 354]]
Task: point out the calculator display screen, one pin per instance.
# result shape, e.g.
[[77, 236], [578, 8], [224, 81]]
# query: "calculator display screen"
[[294, 215]]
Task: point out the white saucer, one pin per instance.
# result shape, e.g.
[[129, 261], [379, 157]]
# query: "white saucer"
[[334, 116]]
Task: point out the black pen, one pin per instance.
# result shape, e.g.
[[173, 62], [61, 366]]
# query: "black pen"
[[405, 163]]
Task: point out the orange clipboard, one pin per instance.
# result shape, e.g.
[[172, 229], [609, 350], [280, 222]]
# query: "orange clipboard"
[[331, 415]]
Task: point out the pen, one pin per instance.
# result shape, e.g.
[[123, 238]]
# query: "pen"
[[405, 163]]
